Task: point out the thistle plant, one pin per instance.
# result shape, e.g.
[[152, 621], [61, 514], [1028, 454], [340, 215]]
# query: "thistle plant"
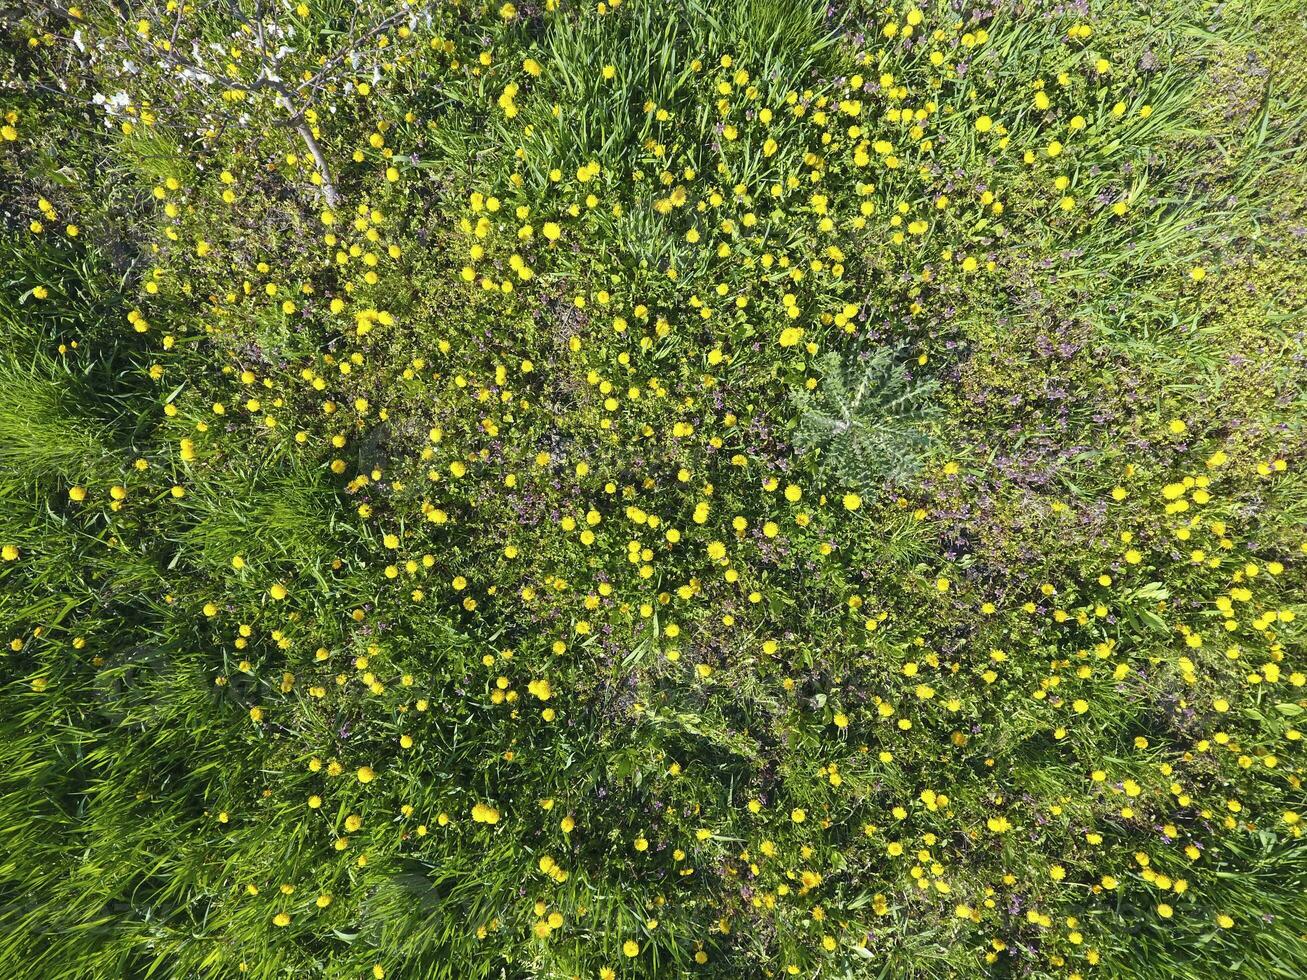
[[868, 420]]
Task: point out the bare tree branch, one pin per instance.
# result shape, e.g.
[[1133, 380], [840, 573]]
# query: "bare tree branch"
[[318, 77]]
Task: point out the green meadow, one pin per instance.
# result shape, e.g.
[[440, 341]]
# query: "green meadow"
[[653, 489]]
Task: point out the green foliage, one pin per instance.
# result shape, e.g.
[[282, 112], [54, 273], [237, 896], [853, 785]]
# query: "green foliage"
[[868, 420], [48, 430], [753, 489]]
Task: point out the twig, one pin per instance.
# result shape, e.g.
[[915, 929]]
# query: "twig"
[[306, 134], [344, 52]]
